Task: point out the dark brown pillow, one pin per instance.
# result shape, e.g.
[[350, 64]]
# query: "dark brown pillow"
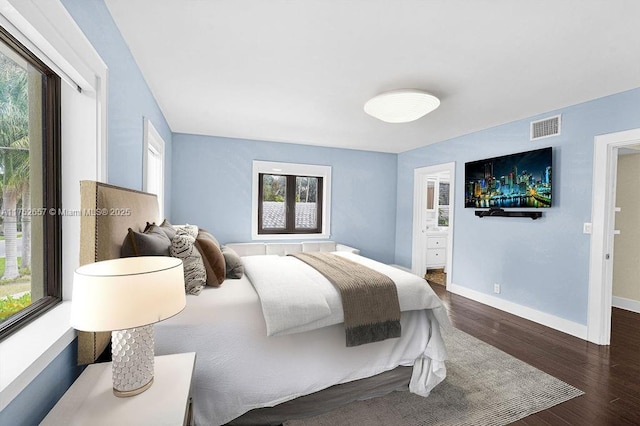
[[233, 263], [152, 242], [213, 260], [203, 233]]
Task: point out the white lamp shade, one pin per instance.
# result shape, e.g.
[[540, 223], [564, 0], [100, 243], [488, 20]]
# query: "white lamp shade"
[[125, 293], [401, 106]]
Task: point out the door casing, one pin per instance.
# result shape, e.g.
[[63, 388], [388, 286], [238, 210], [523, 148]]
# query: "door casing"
[[419, 240], [605, 161]]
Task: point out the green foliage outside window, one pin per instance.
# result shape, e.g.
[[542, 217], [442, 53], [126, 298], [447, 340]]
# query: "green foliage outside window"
[[10, 305]]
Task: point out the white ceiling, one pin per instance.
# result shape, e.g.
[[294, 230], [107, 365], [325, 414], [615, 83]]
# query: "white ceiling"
[[301, 71]]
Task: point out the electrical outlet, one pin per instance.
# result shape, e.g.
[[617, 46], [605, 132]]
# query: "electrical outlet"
[[496, 288]]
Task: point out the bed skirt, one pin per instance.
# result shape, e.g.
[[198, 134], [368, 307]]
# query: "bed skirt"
[[328, 399]]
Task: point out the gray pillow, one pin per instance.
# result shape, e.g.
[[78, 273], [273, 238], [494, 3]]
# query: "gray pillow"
[[152, 242], [233, 262], [168, 229]]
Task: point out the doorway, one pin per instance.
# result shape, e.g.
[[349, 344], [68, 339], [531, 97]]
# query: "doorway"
[[433, 213], [603, 210], [626, 269]]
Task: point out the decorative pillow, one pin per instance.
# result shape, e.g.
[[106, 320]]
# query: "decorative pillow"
[[152, 242], [213, 260], [168, 229], [187, 229], [195, 276], [233, 263], [203, 233]]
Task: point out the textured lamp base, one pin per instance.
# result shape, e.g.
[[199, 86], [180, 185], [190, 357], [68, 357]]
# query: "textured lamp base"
[[132, 360]]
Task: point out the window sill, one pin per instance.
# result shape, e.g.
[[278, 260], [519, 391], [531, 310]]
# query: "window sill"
[[26, 353], [269, 237]]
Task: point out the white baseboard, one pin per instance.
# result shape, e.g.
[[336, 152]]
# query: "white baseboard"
[[552, 321], [627, 304]]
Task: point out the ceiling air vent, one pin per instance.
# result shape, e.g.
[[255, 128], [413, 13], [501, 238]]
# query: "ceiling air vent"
[[545, 128]]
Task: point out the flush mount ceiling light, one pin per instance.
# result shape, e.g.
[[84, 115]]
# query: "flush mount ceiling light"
[[401, 106]]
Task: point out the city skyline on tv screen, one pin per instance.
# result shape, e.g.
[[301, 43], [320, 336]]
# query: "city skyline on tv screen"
[[517, 180]]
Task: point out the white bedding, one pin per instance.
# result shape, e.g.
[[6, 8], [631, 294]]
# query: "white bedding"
[[238, 367], [290, 292], [311, 301]]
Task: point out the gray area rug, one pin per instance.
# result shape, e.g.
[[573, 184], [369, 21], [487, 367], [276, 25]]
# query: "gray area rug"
[[484, 386]]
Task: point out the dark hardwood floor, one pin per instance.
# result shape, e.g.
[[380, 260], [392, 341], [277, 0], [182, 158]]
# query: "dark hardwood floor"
[[609, 375]]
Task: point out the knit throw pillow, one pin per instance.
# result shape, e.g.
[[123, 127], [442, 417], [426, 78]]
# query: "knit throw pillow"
[[183, 247]]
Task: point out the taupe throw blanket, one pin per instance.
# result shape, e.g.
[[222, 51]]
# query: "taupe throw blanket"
[[369, 298]]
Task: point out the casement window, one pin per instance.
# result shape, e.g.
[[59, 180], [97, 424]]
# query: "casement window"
[[289, 204], [30, 179], [291, 200]]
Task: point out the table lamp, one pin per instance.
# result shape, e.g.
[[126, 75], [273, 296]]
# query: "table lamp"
[[126, 296]]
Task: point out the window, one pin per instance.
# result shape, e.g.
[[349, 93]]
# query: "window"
[[290, 200], [154, 164], [443, 204], [289, 204], [30, 145]]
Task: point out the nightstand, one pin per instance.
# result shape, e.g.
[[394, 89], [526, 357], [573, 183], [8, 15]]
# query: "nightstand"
[[90, 400]]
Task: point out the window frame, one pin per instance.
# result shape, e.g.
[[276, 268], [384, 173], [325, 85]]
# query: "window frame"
[[294, 170], [443, 209], [52, 187], [290, 207], [153, 141]]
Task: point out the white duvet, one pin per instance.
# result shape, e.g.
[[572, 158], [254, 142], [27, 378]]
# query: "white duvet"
[[238, 367], [295, 297]]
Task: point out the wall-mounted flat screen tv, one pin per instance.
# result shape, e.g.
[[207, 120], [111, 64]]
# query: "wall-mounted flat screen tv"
[[516, 180]]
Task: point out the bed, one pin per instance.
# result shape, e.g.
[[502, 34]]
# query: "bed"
[[244, 376]]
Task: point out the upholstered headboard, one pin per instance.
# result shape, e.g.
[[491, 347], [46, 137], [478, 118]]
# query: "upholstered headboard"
[[108, 212]]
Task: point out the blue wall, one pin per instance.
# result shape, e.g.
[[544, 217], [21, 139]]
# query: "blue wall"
[[542, 264], [129, 101], [212, 177], [129, 98], [37, 399]]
